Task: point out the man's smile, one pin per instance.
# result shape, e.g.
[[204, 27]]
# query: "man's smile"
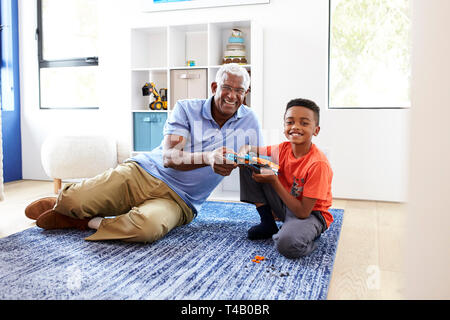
[[228, 102]]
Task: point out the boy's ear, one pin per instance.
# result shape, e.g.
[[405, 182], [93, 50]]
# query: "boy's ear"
[[316, 130]]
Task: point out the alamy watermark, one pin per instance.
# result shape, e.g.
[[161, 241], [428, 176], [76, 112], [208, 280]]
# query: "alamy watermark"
[[74, 278], [373, 280], [203, 141]]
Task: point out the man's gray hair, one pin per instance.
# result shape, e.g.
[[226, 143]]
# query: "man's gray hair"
[[234, 69]]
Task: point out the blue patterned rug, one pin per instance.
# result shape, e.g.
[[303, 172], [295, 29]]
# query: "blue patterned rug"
[[209, 259]]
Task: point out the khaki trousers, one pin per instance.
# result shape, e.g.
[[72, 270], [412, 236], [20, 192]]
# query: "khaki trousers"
[[145, 209]]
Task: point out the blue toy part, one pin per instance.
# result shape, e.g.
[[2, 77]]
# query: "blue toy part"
[[252, 154]]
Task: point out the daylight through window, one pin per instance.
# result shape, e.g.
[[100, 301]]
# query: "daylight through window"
[[369, 59], [68, 53]]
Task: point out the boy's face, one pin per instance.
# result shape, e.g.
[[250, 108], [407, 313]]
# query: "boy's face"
[[300, 125]]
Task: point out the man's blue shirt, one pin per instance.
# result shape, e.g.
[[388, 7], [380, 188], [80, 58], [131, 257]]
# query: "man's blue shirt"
[[193, 120]]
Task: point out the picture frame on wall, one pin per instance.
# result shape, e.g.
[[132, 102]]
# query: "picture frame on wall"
[[167, 5]]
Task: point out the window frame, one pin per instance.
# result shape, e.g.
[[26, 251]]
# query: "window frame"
[[329, 77], [74, 62]]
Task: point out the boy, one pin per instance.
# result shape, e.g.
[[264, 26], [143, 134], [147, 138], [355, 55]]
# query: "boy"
[[300, 195]]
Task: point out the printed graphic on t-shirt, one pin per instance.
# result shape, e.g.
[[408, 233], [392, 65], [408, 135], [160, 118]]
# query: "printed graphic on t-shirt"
[[297, 189]]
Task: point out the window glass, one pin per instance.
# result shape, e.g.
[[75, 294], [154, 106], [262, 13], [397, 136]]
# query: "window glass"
[[68, 53], [370, 48], [69, 87], [69, 29]]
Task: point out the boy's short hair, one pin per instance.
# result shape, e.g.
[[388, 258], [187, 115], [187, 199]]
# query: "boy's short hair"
[[307, 104]]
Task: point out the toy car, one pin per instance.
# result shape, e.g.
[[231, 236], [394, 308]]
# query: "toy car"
[[254, 162]]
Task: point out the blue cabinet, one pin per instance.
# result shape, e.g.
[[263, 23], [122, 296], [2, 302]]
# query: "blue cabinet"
[[148, 130]]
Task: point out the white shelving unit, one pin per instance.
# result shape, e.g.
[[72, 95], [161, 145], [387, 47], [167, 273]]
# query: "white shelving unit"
[[155, 51]]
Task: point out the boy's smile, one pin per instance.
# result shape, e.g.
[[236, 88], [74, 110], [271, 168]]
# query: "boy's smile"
[[300, 125]]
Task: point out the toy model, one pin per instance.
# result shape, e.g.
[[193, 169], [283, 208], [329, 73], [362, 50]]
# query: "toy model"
[[160, 102], [256, 163]]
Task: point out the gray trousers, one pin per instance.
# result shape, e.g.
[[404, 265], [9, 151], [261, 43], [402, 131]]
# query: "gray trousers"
[[296, 238]]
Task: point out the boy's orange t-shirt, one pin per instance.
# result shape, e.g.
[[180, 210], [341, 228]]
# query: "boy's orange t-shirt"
[[308, 176]]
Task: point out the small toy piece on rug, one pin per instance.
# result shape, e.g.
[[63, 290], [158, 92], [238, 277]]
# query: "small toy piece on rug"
[[258, 259]]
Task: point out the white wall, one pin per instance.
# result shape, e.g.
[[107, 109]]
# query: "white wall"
[[367, 147], [428, 238]]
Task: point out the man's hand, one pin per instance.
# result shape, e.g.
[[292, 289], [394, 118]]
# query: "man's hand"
[[176, 158], [219, 163], [266, 176]]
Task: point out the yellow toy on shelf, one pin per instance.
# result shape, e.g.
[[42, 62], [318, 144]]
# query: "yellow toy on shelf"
[[160, 102]]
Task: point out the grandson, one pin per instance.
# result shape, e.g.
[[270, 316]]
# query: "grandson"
[[301, 193]]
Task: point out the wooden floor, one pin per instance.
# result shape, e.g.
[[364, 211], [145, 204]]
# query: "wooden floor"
[[369, 258]]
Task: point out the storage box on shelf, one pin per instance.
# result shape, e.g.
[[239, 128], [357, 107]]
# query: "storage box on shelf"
[[148, 129], [188, 84]]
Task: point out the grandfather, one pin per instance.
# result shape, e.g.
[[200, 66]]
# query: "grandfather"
[[148, 195]]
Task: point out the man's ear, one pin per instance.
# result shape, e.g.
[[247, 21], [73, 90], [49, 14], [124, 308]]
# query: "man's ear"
[[213, 87], [316, 130]]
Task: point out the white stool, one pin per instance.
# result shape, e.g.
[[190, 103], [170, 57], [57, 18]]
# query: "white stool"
[[74, 157]]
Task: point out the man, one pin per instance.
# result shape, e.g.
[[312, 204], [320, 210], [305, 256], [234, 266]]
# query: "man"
[[152, 193]]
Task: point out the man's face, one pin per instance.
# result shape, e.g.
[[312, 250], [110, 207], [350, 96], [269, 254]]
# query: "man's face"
[[228, 96]]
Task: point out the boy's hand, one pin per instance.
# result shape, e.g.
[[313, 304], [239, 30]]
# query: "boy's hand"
[[245, 149], [266, 176]]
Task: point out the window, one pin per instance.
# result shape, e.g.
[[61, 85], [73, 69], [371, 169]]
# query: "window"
[[369, 58], [68, 53]]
